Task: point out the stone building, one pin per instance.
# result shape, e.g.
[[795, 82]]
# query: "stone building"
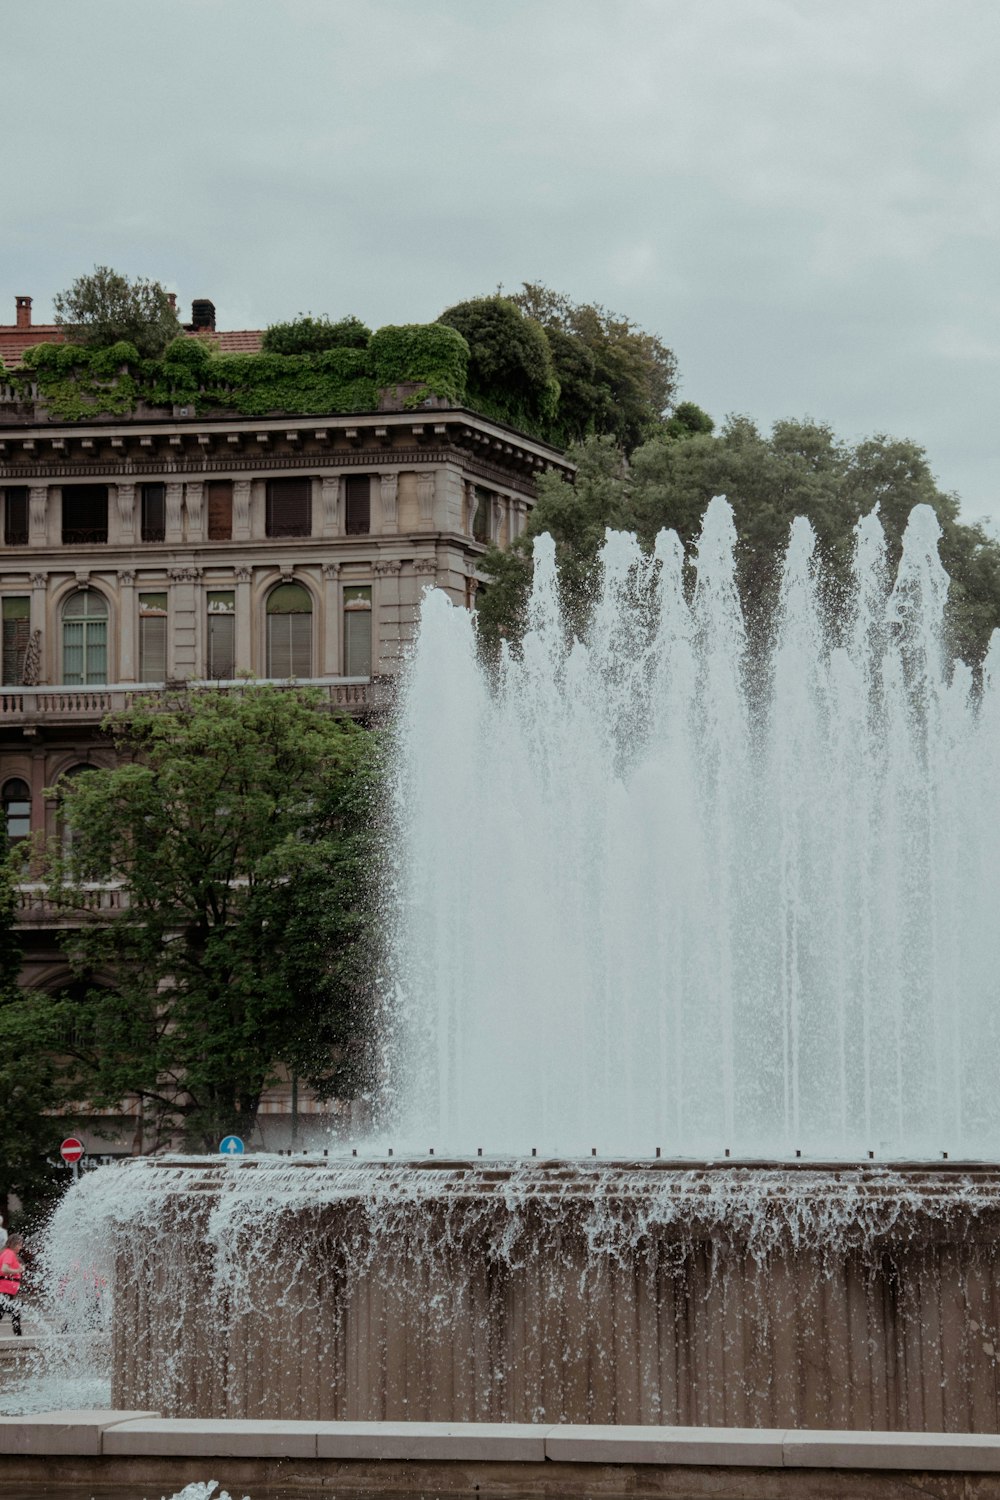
[[167, 547]]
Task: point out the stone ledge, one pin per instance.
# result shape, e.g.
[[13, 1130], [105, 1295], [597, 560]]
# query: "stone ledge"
[[477, 1442], [969, 1452], [65, 1432], [186, 1437], [756, 1447], [123, 1435]]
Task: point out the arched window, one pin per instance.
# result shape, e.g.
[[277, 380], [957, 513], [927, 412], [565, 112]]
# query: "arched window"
[[85, 638], [289, 631], [16, 809]]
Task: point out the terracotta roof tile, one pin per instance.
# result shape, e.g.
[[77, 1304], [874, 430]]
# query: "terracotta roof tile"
[[14, 341]]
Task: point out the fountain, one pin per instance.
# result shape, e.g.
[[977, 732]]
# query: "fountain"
[[690, 1051]]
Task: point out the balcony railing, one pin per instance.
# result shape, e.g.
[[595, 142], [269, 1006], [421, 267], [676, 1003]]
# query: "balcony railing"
[[89, 705], [34, 907]]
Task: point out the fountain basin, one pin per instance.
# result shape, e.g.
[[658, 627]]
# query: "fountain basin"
[[738, 1295]]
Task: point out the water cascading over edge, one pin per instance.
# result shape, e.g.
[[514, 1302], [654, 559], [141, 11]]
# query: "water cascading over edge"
[[655, 892]]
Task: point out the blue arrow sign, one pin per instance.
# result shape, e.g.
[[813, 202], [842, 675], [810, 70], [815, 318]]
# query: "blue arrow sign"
[[231, 1146]]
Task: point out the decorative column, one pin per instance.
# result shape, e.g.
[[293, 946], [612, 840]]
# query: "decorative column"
[[43, 664], [385, 607], [426, 489], [38, 517], [469, 505], [241, 510], [332, 504], [175, 518], [389, 492], [182, 643], [194, 498], [243, 622], [518, 518], [126, 626], [330, 665], [124, 511]]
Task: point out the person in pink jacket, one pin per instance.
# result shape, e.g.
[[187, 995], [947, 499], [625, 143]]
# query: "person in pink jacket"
[[11, 1271]]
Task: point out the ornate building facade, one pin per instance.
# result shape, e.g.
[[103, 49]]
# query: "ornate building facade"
[[141, 552]]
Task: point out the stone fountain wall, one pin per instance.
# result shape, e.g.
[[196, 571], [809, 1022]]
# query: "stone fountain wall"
[[572, 1292]]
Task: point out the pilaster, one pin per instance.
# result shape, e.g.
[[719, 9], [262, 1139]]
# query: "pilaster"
[[39, 633], [121, 514], [182, 642], [241, 510], [175, 516], [126, 626], [332, 504], [385, 603], [243, 622], [38, 515], [194, 500], [426, 493], [330, 665], [389, 494]]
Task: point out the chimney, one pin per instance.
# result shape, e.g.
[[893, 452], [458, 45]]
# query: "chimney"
[[23, 312], [203, 315]]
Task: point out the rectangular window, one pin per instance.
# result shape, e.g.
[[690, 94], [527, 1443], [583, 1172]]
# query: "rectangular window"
[[220, 509], [84, 514], [15, 516], [16, 634], [289, 507], [358, 630], [221, 651], [154, 512], [152, 637], [358, 497]]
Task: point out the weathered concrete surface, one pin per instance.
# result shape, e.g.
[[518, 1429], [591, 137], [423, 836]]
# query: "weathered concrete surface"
[[747, 1297]]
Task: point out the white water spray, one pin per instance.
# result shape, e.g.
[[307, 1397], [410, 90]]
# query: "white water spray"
[[648, 900]]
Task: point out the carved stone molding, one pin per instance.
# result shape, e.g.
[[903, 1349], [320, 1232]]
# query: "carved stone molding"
[[386, 569], [424, 565], [39, 580], [184, 575], [175, 497], [331, 571], [389, 493], [126, 578], [332, 490], [125, 500], [194, 494], [241, 505], [38, 497], [243, 575], [426, 484]]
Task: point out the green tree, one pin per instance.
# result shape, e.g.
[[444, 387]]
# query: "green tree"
[[615, 378], [800, 468], [30, 1082], [238, 827], [309, 335], [108, 308], [510, 373]]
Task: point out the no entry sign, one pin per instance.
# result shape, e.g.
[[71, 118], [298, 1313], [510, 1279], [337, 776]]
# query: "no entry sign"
[[71, 1149]]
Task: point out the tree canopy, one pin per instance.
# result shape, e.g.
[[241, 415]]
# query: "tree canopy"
[[799, 469], [108, 308], [309, 335], [238, 829]]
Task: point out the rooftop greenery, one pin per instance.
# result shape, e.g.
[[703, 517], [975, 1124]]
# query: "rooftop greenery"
[[557, 370]]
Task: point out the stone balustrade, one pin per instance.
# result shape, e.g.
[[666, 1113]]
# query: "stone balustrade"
[[90, 705]]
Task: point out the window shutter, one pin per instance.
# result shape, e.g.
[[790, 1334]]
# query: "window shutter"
[[358, 495], [300, 645], [220, 510], [16, 634], [154, 513], [15, 516], [73, 652], [289, 507], [97, 651], [357, 643], [152, 648], [221, 663]]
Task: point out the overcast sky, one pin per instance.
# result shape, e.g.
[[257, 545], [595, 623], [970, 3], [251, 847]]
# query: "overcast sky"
[[799, 196]]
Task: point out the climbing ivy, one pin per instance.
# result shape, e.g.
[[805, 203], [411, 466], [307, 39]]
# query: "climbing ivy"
[[77, 382]]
